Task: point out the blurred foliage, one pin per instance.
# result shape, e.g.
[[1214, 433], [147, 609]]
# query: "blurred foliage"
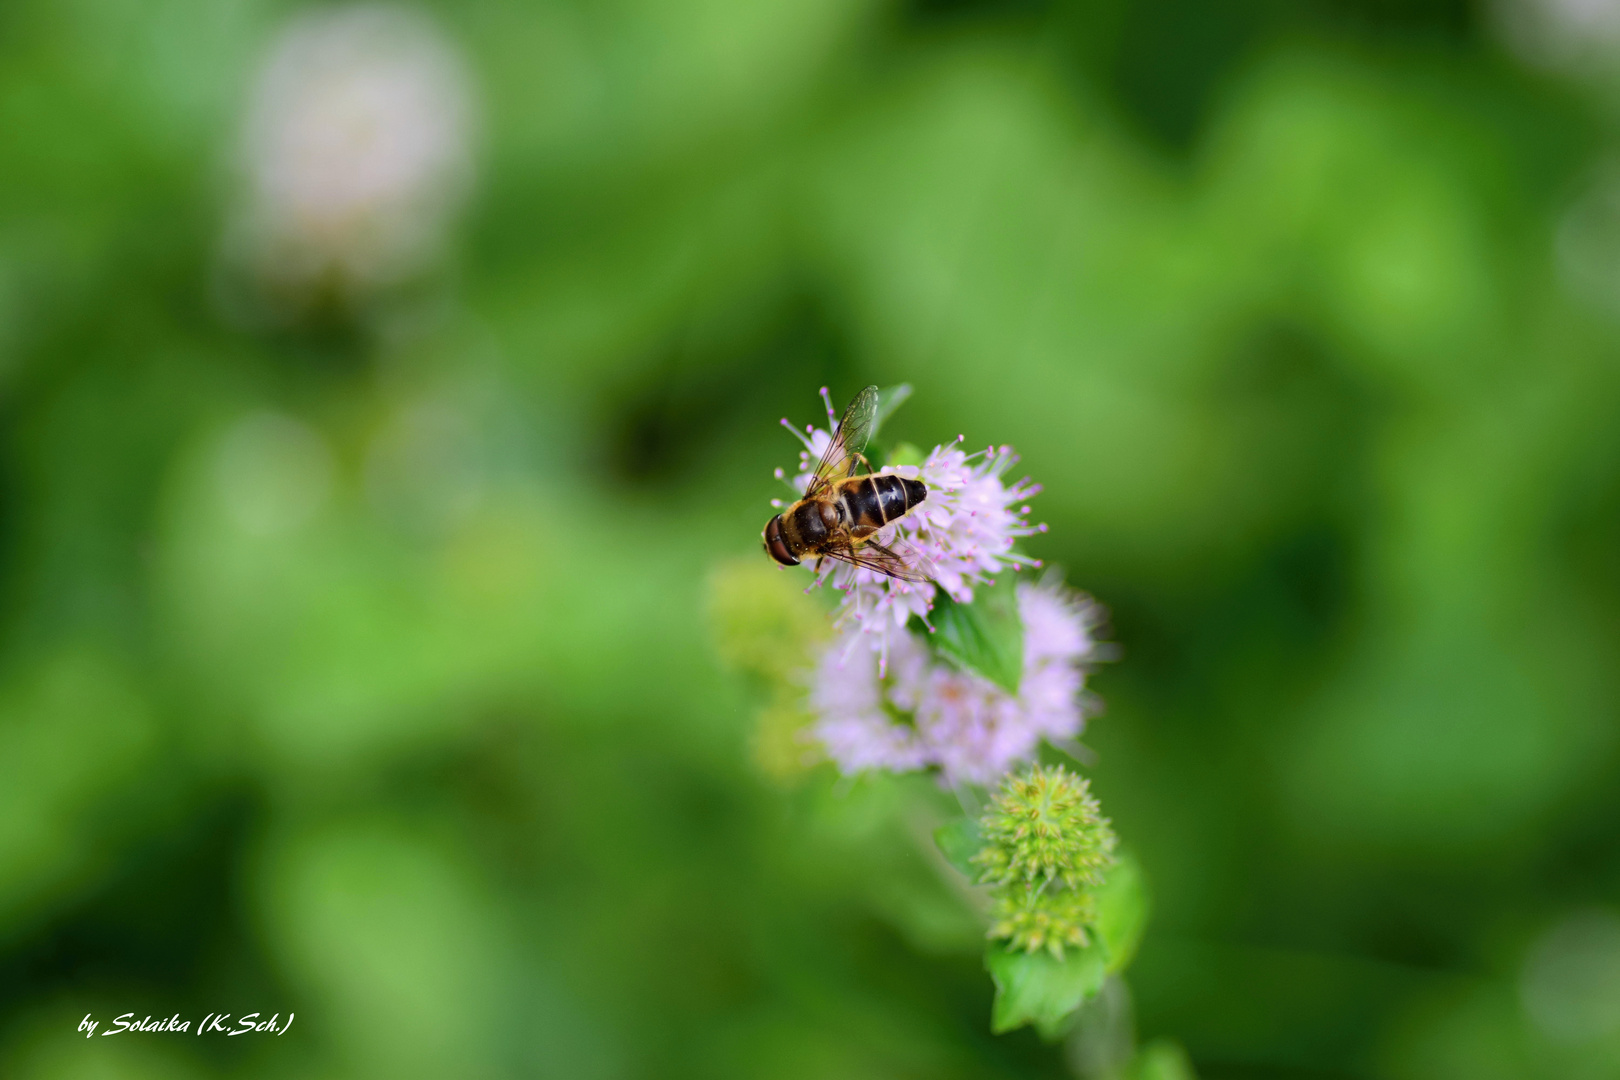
[[762, 624], [360, 668]]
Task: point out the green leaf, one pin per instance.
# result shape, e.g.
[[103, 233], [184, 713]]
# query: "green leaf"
[[1122, 911], [1039, 989], [959, 841], [1161, 1060], [889, 399], [986, 636], [1057, 1030]]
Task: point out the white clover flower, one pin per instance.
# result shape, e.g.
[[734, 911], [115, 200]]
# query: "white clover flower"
[[924, 713], [356, 152], [1574, 35], [1588, 240]]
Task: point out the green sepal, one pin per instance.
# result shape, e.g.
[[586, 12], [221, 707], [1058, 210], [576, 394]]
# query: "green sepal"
[[959, 841], [1059, 1030], [985, 636], [905, 454], [1037, 988], [1122, 911], [1160, 1060]]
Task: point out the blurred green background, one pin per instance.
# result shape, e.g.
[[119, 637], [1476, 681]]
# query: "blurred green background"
[[356, 655]]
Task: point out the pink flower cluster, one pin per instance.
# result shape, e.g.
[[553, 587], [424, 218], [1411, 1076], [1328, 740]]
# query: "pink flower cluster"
[[923, 713], [962, 535], [881, 700]]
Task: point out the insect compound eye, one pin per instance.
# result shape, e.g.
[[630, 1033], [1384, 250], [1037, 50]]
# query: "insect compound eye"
[[775, 546]]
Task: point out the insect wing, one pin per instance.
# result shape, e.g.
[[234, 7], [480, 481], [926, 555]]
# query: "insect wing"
[[906, 565], [848, 441]]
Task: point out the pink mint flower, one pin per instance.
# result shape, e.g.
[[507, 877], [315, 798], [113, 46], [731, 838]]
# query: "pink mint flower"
[[923, 713], [963, 533]]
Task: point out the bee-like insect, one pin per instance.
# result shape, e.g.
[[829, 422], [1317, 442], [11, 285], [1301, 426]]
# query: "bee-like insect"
[[842, 510]]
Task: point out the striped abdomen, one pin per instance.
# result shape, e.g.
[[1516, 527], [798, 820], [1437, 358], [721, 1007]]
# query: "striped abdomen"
[[873, 501]]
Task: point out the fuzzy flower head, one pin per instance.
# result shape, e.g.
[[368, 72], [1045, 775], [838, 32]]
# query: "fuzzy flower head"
[[1045, 827], [1031, 918], [1578, 36], [919, 711], [1046, 849], [963, 533], [356, 152], [896, 688]]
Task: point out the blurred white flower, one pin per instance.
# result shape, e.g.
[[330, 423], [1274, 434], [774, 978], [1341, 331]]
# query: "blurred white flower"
[[1588, 241], [356, 154], [1562, 34], [1571, 981], [921, 712]]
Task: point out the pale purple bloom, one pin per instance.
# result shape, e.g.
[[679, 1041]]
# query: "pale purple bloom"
[[922, 712], [881, 698], [853, 704], [962, 534], [1057, 645]]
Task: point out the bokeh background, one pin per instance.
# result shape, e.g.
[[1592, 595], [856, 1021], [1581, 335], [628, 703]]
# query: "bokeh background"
[[386, 396]]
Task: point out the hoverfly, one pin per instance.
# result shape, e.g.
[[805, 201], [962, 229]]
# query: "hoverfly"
[[842, 510]]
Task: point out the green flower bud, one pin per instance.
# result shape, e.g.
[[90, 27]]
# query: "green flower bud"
[[1046, 848], [1045, 827], [1042, 917]]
